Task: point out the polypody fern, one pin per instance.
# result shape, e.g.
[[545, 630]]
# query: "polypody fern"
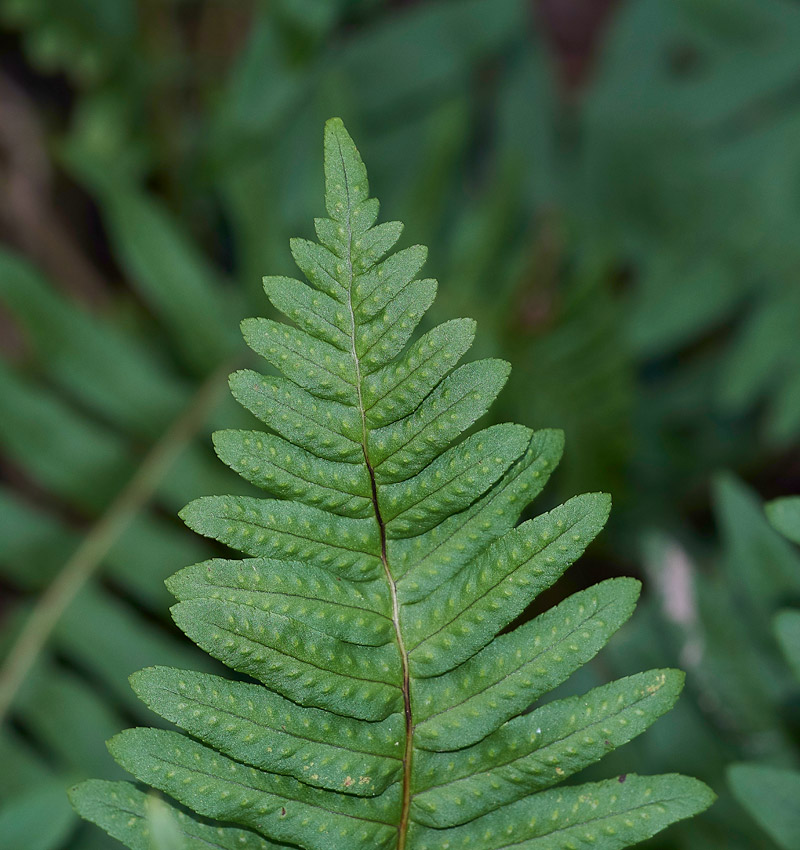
[[387, 711]]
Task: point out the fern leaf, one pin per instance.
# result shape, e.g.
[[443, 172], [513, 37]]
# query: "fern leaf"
[[352, 611], [288, 531], [461, 707], [462, 616], [331, 432], [258, 727], [121, 810], [290, 472], [538, 750], [388, 709], [426, 561], [398, 389]]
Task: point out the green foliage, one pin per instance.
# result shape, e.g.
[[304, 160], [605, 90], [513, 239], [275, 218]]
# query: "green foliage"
[[771, 795], [124, 811], [784, 515], [721, 608], [787, 630], [87, 38], [374, 606], [631, 247], [704, 68], [22, 822]]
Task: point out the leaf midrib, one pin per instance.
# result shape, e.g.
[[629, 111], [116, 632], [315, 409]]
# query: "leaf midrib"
[[402, 828]]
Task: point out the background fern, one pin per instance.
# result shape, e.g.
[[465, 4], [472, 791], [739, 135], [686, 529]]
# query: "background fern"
[[375, 590], [771, 794], [741, 700]]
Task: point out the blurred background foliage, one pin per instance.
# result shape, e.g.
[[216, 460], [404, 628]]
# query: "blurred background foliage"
[[611, 188]]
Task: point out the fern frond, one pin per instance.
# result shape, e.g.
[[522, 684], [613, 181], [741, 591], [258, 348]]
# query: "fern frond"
[[388, 708]]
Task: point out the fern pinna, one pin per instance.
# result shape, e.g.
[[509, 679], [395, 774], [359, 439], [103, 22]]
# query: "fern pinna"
[[387, 713]]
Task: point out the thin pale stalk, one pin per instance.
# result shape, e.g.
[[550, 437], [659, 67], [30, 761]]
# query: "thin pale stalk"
[[88, 557]]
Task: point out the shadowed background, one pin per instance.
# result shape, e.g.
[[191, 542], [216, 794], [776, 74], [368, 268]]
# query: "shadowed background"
[[612, 189]]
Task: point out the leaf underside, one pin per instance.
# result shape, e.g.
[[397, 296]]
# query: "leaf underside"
[[384, 708]]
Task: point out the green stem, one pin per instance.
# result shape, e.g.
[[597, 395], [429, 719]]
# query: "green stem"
[[87, 558], [405, 809]]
